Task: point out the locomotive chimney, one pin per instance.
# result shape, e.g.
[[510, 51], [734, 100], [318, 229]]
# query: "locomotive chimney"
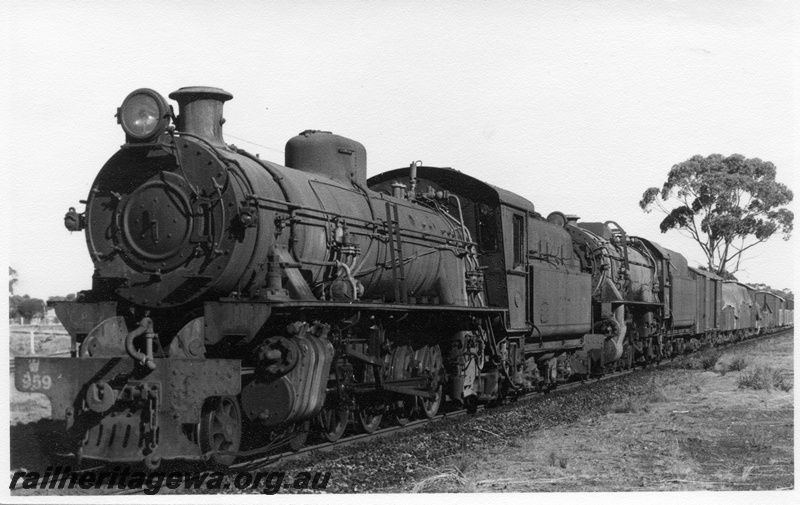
[[201, 112]]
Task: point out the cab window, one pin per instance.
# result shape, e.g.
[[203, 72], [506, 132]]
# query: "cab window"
[[518, 223]]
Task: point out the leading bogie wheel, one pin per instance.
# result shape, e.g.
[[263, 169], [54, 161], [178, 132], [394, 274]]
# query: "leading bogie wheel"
[[332, 422], [221, 429], [430, 406], [404, 410], [369, 419]]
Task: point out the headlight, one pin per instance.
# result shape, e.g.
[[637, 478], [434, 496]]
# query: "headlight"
[[144, 115]]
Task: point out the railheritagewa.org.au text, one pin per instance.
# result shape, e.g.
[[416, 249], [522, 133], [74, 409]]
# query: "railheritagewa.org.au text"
[[150, 483]]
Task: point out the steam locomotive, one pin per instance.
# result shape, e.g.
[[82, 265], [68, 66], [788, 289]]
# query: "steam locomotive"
[[234, 294]]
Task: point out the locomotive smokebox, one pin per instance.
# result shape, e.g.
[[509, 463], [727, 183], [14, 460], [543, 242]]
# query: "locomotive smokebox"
[[329, 155], [201, 112]]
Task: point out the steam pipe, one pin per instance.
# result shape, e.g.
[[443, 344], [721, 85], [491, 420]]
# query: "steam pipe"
[[146, 328], [614, 350]]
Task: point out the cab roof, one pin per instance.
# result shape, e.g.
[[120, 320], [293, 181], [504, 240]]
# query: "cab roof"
[[459, 183]]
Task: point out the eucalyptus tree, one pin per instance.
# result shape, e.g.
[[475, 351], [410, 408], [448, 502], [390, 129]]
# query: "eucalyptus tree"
[[728, 205]]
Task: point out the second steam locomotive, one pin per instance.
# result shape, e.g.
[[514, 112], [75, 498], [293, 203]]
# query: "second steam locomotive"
[[232, 295]]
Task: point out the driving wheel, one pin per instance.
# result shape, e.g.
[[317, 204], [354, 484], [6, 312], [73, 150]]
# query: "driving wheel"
[[433, 365]]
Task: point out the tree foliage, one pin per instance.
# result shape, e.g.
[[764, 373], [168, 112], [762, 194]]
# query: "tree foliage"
[[726, 204], [26, 307], [69, 298]]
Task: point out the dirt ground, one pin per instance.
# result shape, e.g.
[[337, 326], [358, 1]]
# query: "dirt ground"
[[697, 431]]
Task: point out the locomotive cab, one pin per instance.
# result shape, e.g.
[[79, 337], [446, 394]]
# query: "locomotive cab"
[[527, 267]]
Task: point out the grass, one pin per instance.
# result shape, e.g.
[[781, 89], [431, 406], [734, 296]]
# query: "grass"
[[464, 464], [655, 394], [737, 364], [706, 360], [558, 460], [756, 438], [746, 471], [451, 479], [766, 378], [447, 482], [629, 406], [709, 360], [634, 405]]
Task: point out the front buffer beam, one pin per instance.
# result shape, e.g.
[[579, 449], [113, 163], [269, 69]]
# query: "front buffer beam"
[[120, 411]]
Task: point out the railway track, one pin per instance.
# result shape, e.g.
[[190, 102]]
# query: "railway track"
[[262, 462]]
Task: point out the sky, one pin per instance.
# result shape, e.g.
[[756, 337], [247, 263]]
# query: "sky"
[[579, 106]]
